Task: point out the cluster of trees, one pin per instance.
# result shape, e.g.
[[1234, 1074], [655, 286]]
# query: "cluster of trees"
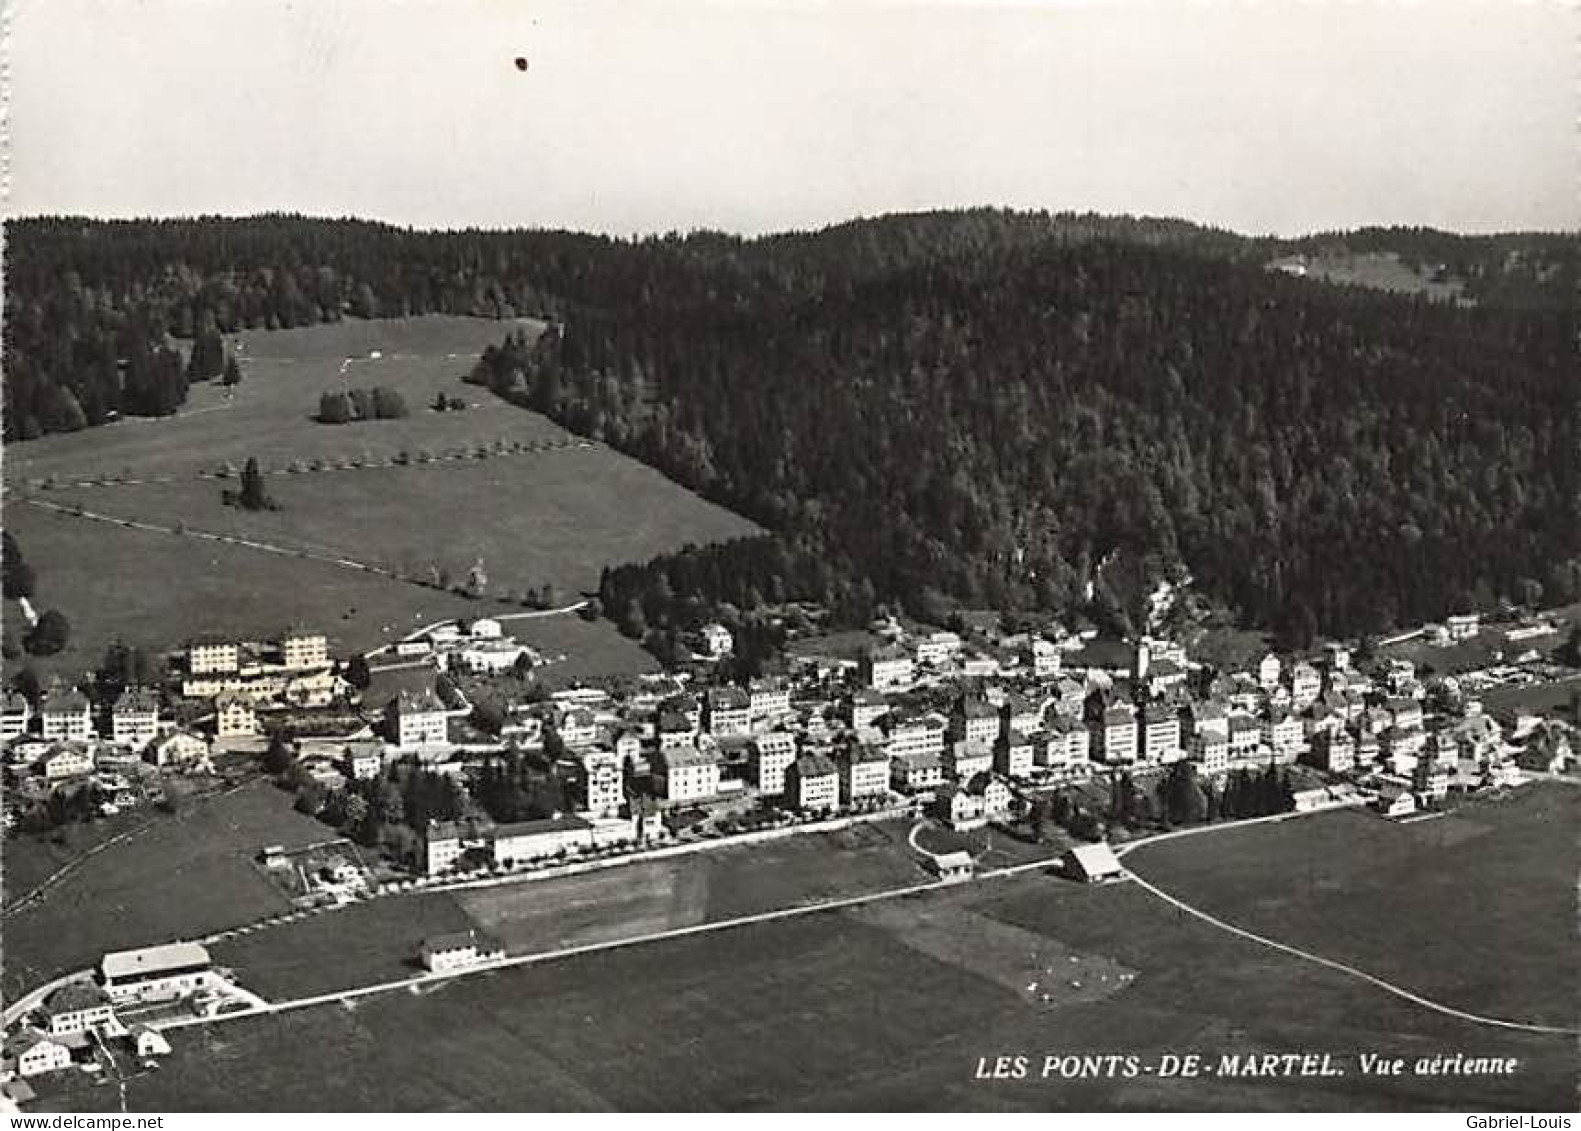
[[970, 408], [1180, 797], [209, 360], [514, 787], [90, 305], [354, 405], [1257, 794], [390, 810], [746, 584], [52, 631], [992, 429]]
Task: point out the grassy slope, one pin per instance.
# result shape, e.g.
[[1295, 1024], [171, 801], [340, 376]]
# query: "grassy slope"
[[183, 876], [554, 516]]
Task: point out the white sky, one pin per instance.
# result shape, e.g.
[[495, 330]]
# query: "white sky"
[[650, 115]]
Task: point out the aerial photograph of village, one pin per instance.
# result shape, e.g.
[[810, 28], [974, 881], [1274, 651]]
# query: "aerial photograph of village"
[[878, 557]]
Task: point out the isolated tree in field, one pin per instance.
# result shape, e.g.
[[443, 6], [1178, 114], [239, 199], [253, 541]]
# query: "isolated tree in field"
[[233, 373], [252, 496], [49, 635]]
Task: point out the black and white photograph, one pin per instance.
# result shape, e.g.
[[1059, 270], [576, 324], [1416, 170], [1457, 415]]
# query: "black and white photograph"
[[720, 556]]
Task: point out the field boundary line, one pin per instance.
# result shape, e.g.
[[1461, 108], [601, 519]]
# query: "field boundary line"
[[1351, 971]]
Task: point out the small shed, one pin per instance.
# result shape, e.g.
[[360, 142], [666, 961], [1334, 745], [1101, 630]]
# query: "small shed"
[[1092, 863], [149, 1042], [953, 867]]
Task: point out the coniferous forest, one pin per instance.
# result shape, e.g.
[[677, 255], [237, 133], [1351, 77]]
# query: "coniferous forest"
[[973, 408]]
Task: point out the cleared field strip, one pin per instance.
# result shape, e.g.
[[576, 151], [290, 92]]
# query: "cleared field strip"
[[325, 467]]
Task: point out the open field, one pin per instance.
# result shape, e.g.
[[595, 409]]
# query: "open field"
[[269, 415], [857, 1010], [378, 941], [335, 950], [541, 508], [181, 877], [1479, 905]]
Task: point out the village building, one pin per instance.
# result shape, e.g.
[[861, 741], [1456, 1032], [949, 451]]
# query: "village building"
[[717, 641], [363, 759], [156, 973], [813, 783], [676, 732], [769, 756], [1161, 734], [952, 867], [888, 668], [729, 712], [415, 719], [975, 720], [213, 657], [1210, 749], [67, 760], [967, 757], [864, 773], [522, 842], [1013, 755], [1306, 684], [916, 773], [938, 648], [1463, 626], [865, 708], [916, 735], [1042, 657], [77, 1007], [1334, 751], [1069, 745], [300, 650], [16, 715], [602, 782], [459, 950], [1245, 736], [235, 716], [66, 716], [1283, 733], [1116, 735], [769, 701], [34, 1053], [134, 719], [177, 748], [1092, 864], [687, 774], [1268, 672]]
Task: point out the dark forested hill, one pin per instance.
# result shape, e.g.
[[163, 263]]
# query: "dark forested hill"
[[965, 406]]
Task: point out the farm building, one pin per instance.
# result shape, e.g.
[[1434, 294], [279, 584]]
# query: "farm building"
[[155, 973], [459, 950], [1092, 863], [953, 866]]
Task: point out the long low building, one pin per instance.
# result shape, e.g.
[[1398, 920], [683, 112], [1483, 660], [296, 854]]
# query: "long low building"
[[156, 973]]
